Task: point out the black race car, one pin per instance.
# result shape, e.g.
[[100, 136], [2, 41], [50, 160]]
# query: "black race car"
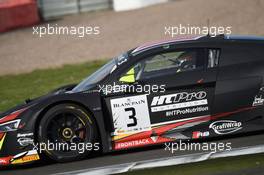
[[190, 88]]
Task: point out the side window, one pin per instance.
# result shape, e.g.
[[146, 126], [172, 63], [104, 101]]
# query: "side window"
[[182, 61], [166, 63], [213, 58]]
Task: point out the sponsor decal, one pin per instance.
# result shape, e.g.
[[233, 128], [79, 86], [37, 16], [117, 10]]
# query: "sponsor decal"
[[24, 157], [129, 103], [178, 101], [24, 141], [186, 111], [24, 134], [199, 134], [178, 97], [225, 126], [27, 158], [130, 114], [133, 143], [259, 100], [141, 142]]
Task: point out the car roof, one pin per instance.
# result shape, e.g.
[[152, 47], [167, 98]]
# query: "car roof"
[[159, 43], [244, 37], [203, 38]]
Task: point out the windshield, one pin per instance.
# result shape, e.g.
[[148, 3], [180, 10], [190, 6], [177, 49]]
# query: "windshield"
[[101, 73]]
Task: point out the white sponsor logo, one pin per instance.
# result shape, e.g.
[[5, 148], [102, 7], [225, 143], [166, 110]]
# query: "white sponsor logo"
[[132, 143], [178, 101], [258, 101], [129, 103], [178, 97], [179, 105], [25, 135], [23, 141], [225, 126], [186, 111]]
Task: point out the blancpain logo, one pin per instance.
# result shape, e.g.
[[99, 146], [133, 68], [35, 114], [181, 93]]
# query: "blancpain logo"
[[225, 126], [129, 103], [178, 97]]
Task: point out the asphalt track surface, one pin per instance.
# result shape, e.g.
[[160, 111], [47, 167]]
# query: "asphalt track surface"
[[121, 157]]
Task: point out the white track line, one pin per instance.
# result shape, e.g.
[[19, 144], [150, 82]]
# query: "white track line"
[[175, 160]]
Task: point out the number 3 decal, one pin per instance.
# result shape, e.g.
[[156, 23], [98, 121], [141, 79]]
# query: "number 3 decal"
[[132, 116]]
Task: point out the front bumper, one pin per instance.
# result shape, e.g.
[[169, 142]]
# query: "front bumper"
[[17, 147]]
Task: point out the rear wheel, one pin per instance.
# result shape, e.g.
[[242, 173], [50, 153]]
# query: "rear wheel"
[[67, 133]]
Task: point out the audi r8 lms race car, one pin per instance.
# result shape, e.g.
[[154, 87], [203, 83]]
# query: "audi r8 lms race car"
[[181, 89]]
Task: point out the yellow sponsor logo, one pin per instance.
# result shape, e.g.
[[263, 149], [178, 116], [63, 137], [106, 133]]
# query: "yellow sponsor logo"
[[25, 159]]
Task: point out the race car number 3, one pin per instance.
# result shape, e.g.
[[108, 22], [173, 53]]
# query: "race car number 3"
[[130, 114]]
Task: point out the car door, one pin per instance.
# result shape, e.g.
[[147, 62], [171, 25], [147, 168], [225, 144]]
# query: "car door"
[[189, 85], [180, 87]]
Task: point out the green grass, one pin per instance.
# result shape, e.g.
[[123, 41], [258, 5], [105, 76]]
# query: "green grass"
[[14, 89], [229, 166]]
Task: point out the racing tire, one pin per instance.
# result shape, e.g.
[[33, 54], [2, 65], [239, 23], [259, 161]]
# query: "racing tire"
[[67, 132]]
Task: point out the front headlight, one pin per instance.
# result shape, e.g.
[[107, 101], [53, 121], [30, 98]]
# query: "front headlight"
[[10, 126]]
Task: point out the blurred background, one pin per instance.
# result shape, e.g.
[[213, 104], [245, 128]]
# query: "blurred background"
[[124, 24]]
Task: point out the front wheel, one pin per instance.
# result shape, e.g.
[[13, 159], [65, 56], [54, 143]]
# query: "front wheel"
[[67, 133]]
